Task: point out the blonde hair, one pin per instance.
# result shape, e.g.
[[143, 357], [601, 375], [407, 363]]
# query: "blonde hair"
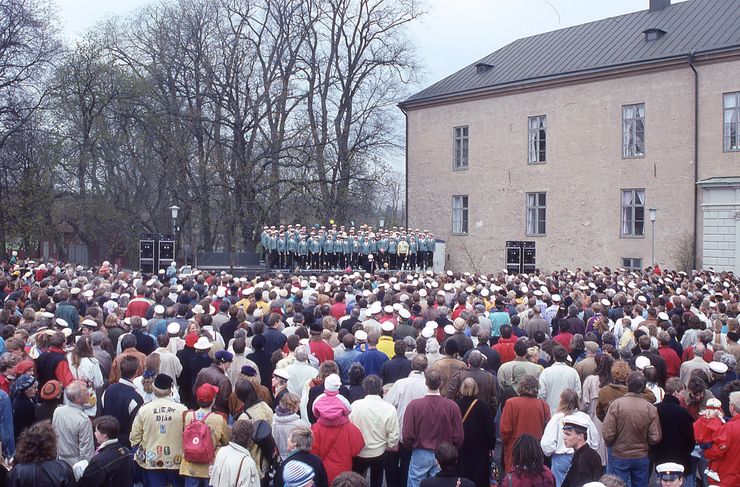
[[469, 387]]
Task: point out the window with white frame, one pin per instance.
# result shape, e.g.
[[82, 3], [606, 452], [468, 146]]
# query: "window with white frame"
[[461, 141], [632, 263], [536, 213], [732, 121], [460, 215], [633, 213], [537, 139], [633, 130]]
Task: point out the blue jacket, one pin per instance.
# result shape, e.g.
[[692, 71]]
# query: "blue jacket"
[[6, 425], [372, 360], [345, 361]]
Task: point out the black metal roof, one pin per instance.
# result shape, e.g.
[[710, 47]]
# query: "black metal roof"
[[694, 26]]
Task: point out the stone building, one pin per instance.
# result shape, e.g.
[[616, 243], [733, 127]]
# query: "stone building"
[[565, 141]]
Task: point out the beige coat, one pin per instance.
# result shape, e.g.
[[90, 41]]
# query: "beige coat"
[[219, 435], [157, 429]]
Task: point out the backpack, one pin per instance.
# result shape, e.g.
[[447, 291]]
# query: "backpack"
[[197, 444]]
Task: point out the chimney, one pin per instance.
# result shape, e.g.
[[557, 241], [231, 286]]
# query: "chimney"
[[657, 5]]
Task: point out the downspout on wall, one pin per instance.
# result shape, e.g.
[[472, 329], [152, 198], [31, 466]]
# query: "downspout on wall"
[[406, 175], [696, 157]]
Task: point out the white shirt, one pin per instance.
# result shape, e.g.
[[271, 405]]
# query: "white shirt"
[[378, 422], [554, 380], [300, 374], [169, 363], [406, 390]]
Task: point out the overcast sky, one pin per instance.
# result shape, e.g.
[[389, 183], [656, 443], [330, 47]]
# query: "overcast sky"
[[452, 35]]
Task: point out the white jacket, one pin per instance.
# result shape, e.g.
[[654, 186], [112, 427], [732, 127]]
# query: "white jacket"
[[88, 371], [552, 439], [169, 363], [226, 468]]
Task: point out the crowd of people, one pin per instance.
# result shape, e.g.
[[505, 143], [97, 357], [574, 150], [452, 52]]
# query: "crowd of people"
[[594, 377], [338, 247]]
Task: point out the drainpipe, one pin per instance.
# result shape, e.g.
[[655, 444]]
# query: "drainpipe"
[[406, 155], [696, 153]]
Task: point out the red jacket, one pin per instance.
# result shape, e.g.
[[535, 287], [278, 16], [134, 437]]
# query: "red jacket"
[[563, 338], [505, 348], [672, 362], [336, 446], [321, 350], [725, 453], [522, 415], [338, 310], [137, 307]]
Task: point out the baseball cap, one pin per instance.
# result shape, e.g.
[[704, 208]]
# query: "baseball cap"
[[206, 393]]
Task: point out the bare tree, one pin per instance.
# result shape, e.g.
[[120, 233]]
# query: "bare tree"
[[358, 60]]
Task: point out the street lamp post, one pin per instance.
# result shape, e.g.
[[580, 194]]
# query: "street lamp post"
[[652, 214], [174, 209]]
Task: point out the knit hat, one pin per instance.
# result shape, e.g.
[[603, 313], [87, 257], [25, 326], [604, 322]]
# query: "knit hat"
[[51, 390], [332, 382], [297, 474], [24, 382]]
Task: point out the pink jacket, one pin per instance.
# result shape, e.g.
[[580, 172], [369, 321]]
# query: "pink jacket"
[[331, 409]]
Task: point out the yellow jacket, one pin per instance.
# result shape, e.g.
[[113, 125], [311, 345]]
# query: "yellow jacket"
[[157, 429], [385, 345]]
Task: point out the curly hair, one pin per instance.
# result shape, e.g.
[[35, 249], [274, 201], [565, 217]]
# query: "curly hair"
[[620, 371], [37, 443], [529, 386]]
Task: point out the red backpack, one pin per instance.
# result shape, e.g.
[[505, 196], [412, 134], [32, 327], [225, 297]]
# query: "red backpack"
[[197, 444]]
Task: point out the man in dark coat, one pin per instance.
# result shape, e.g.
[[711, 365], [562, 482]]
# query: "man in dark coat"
[[121, 401], [399, 367], [446, 455], [676, 424], [113, 464], [655, 359], [586, 463]]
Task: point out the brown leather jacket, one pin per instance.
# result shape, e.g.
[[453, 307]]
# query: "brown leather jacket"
[[487, 390], [610, 392], [631, 426], [215, 376]]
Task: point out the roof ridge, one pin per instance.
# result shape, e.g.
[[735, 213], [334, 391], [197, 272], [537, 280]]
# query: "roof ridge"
[[613, 41]]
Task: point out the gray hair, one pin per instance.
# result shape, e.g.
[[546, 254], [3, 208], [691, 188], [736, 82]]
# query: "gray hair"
[[475, 359], [74, 390], [302, 438], [735, 400], [729, 360], [301, 353]]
